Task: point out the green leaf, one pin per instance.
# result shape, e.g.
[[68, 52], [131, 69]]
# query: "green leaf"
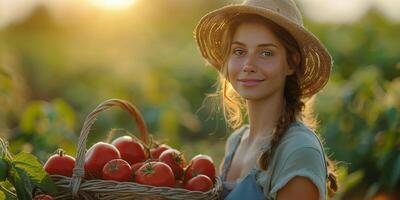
[[4, 167], [29, 164], [21, 184]]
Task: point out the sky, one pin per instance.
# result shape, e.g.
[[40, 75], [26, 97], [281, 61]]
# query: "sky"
[[324, 11]]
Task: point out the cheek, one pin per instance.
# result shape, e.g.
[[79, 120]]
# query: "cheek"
[[234, 67], [274, 68]]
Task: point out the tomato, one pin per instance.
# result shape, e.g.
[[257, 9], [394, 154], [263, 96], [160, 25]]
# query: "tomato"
[[200, 164], [4, 168], [60, 164], [136, 166], [156, 152], [43, 197], [155, 174], [130, 149], [117, 170], [174, 159], [199, 183], [97, 156]]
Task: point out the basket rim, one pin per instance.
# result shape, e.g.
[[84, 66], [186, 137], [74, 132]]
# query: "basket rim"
[[62, 181]]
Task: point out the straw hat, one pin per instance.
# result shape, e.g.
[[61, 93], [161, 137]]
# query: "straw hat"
[[317, 62]]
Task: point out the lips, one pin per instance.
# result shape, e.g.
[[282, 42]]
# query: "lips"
[[250, 82]]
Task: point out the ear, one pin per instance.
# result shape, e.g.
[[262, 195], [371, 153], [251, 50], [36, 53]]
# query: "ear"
[[290, 71], [296, 58]]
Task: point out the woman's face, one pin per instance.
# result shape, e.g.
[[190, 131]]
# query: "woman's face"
[[257, 64]]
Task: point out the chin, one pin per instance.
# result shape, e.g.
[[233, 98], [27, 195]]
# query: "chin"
[[252, 97], [256, 95]]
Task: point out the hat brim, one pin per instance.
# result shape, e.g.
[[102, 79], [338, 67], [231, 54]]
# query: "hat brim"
[[317, 62]]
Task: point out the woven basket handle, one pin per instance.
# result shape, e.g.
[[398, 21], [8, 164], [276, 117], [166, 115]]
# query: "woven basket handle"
[[79, 171]]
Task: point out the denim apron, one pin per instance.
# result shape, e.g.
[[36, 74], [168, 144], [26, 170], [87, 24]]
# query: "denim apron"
[[247, 188]]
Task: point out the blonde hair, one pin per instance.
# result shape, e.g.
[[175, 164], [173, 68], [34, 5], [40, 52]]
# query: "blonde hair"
[[295, 109]]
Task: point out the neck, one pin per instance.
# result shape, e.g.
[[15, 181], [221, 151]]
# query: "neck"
[[263, 115]]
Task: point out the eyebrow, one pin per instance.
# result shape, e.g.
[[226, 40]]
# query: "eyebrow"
[[260, 45]]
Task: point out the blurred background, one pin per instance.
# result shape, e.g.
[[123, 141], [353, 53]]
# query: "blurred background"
[[60, 58]]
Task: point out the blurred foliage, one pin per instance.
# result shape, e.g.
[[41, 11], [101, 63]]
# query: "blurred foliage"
[[361, 128], [54, 72], [359, 107]]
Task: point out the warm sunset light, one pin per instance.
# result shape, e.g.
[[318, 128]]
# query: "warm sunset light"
[[113, 4]]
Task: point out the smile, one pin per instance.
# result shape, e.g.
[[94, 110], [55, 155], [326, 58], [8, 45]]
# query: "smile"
[[249, 82]]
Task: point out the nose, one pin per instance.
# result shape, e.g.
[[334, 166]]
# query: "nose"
[[249, 65]]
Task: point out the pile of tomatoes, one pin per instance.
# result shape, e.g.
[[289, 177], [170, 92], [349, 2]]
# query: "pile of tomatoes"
[[126, 159]]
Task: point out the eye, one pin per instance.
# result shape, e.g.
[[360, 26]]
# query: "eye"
[[238, 51], [266, 53]]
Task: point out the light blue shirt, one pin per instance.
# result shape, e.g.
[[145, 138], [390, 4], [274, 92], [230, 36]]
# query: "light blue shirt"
[[299, 153]]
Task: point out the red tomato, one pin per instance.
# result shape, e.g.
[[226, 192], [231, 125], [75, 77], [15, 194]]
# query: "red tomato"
[[43, 197], [130, 149], [155, 174], [136, 166], [174, 159], [60, 164], [156, 152], [117, 170], [97, 156], [199, 183], [200, 164]]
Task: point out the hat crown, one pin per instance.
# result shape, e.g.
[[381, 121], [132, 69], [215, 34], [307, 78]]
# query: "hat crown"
[[286, 8]]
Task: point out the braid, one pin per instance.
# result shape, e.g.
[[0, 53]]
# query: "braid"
[[332, 177], [279, 131], [292, 108]]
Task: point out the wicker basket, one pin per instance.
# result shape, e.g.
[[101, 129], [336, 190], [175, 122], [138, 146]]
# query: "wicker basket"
[[79, 188]]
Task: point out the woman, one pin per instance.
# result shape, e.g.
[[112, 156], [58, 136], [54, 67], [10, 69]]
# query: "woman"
[[270, 67]]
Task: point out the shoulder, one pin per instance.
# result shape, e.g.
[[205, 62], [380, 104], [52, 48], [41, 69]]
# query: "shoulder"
[[300, 147], [299, 157], [299, 136]]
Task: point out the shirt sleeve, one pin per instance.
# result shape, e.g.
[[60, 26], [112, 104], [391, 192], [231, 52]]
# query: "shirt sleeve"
[[305, 162]]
